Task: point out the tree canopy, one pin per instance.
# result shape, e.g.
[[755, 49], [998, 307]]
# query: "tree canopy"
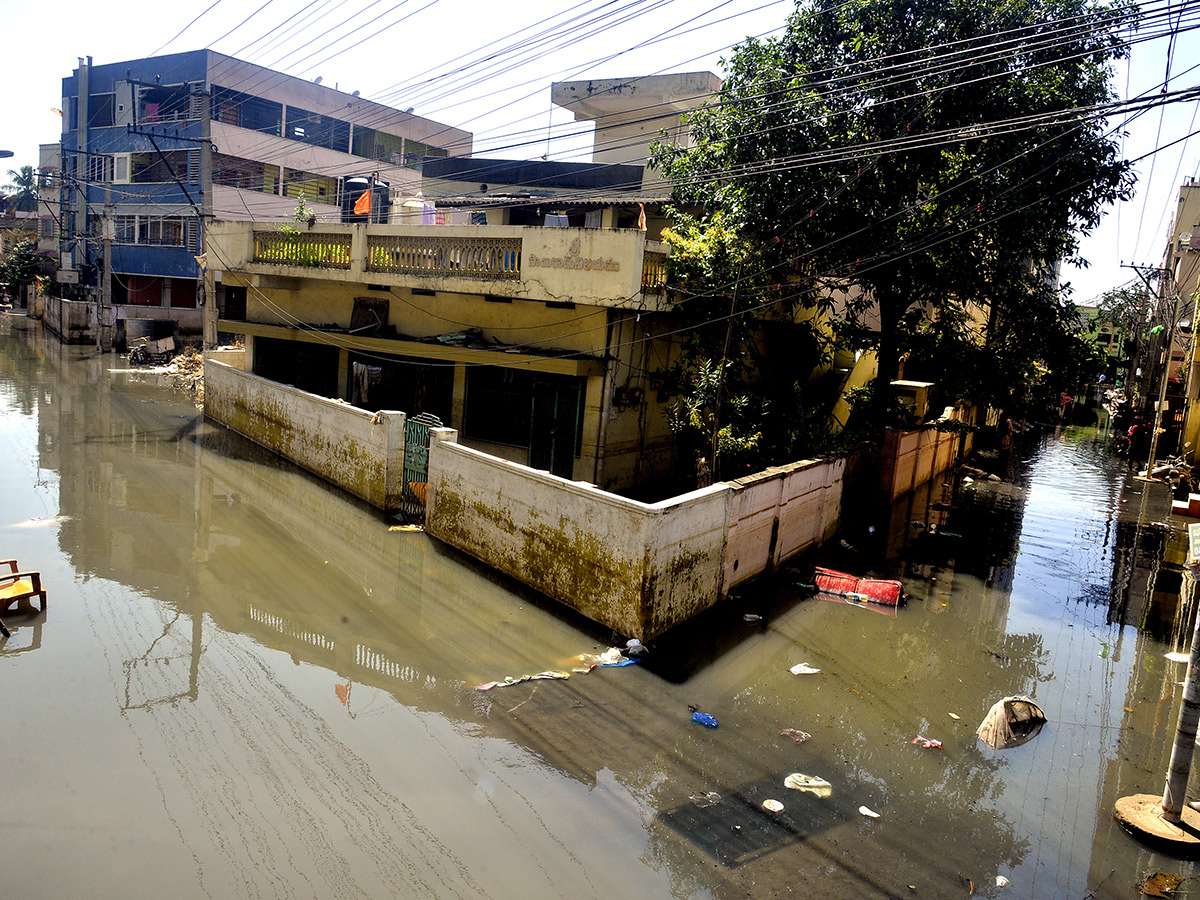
[[937, 158], [24, 187]]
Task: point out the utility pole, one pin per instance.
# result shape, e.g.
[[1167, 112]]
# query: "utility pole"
[[107, 317], [1145, 273]]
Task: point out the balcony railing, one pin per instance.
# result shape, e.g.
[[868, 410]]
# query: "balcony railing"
[[491, 258], [284, 248], [654, 272]]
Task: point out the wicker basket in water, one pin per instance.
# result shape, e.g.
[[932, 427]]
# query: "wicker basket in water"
[[1011, 722]]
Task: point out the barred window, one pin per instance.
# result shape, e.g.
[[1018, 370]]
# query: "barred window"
[[155, 231]]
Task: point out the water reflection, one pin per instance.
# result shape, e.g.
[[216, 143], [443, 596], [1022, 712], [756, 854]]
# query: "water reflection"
[[277, 692]]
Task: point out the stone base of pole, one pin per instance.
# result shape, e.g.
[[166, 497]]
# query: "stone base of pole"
[[1141, 816]]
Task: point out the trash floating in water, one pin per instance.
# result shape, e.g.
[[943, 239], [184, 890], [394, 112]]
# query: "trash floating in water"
[[635, 649], [803, 669], [810, 784], [1160, 884], [772, 806], [885, 591], [704, 719], [796, 735], [1002, 882], [705, 799], [751, 617], [41, 522], [406, 528], [611, 658], [869, 813], [953, 716], [540, 676], [1178, 657], [928, 743], [1011, 722]]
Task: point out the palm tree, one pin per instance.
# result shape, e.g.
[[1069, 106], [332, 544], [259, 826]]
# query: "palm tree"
[[24, 184]]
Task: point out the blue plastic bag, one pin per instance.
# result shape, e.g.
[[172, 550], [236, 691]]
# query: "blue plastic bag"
[[704, 719]]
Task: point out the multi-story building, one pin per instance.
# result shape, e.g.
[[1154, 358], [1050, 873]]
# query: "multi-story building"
[[154, 150], [49, 217], [519, 301], [1181, 265]]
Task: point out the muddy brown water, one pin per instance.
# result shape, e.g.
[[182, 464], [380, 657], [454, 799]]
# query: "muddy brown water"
[[247, 686]]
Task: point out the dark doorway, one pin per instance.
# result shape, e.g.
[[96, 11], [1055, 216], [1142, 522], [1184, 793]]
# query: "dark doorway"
[[554, 437], [410, 385], [310, 367]]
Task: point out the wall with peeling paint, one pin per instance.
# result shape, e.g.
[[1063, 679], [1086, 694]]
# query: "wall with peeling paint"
[[356, 450]]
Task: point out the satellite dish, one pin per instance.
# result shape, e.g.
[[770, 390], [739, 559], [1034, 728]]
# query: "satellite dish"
[[317, 80], [1186, 237]]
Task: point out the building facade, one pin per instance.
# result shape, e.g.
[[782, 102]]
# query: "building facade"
[[154, 150]]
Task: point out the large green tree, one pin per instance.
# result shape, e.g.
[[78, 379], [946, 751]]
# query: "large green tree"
[[933, 157]]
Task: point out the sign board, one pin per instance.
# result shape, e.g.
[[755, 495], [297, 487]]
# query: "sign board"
[[1193, 557], [67, 276]]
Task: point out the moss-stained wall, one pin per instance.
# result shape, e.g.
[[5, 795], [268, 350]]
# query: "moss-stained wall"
[[637, 568], [358, 451]]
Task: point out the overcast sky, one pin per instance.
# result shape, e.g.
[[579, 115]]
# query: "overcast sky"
[[391, 52]]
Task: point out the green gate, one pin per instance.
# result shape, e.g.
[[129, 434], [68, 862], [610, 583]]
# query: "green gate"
[[416, 464]]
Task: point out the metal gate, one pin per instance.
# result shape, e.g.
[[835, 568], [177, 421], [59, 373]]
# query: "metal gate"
[[416, 464]]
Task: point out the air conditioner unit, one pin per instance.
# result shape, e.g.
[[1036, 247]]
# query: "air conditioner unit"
[[913, 396]]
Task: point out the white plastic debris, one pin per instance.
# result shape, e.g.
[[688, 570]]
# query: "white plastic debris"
[[869, 813], [1001, 881], [810, 784], [1178, 657], [772, 806], [803, 669]]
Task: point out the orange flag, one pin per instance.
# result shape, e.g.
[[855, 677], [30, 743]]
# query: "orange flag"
[[363, 206]]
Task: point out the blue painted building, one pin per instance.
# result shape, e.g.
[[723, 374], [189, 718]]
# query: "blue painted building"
[[153, 150]]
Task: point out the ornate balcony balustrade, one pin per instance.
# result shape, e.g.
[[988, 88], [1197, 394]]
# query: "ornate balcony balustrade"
[[488, 258], [654, 272], [287, 248]]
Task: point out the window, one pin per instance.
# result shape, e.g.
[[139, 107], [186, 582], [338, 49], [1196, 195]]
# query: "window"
[[99, 168], [154, 231], [126, 229], [150, 168], [313, 128], [100, 110], [245, 111], [165, 104]]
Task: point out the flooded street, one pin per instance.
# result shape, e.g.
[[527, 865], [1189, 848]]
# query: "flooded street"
[[246, 685]]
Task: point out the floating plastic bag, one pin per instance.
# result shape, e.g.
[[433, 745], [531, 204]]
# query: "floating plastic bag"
[[1011, 722], [810, 784], [704, 719], [803, 669]]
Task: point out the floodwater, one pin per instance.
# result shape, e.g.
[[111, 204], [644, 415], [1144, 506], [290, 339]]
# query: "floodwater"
[[246, 685]]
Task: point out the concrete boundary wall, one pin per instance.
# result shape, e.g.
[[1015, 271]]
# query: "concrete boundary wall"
[[911, 458], [780, 512], [638, 568], [72, 320], [356, 450]]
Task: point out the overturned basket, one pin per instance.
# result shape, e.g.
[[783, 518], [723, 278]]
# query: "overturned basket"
[[1010, 723]]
